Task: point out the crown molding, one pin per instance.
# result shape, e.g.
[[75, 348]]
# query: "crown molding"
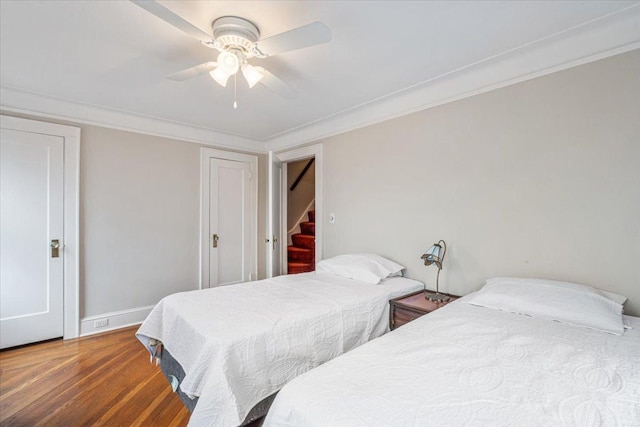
[[607, 36], [25, 102]]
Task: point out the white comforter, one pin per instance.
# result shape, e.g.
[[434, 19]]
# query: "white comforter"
[[465, 365], [239, 344]]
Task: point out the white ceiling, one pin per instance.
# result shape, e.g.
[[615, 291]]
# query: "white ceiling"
[[104, 61]]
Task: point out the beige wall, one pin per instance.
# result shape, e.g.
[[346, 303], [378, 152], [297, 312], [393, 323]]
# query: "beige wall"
[[140, 218], [539, 179]]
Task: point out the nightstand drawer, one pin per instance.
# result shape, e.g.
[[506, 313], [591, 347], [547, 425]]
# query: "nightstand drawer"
[[402, 315]]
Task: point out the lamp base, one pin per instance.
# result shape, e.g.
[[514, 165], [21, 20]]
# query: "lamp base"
[[437, 297]]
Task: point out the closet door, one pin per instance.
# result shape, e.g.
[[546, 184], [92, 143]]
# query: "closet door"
[[229, 222], [31, 233]]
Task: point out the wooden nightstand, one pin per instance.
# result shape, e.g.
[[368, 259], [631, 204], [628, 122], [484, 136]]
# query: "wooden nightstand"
[[409, 307]]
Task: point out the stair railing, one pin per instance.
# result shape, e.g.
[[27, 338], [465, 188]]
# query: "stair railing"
[[301, 175], [296, 228]]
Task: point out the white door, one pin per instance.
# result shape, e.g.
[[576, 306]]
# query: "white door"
[[229, 222], [31, 225], [274, 217]]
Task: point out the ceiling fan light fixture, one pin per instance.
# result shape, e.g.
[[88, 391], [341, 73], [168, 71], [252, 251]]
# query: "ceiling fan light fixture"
[[220, 76], [252, 74], [228, 62], [237, 40]]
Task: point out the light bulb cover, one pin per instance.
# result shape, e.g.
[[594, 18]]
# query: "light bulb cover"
[[220, 76], [252, 74], [228, 62]]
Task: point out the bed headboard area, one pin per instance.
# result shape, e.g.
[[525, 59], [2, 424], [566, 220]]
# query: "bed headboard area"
[[538, 179]]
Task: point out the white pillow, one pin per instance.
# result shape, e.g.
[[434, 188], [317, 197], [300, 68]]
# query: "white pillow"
[[620, 299], [575, 305], [369, 268], [394, 268]]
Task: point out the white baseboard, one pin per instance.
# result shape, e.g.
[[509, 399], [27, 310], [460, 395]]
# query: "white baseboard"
[[113, 320]]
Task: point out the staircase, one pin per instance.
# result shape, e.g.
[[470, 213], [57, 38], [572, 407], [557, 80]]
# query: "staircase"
[[301, 255]]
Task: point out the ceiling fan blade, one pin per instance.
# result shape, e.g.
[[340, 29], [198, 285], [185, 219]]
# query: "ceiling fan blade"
[[192, 72], [277, 85], [298, 38], [170, 17]]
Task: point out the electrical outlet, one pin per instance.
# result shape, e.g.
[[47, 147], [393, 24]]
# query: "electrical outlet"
[[100, 323]]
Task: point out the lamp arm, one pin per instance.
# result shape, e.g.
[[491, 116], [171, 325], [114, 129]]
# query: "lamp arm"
[[444, 246], [444, 252]]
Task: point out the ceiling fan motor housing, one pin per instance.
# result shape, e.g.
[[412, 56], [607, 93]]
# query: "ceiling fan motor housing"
[[235, 34]]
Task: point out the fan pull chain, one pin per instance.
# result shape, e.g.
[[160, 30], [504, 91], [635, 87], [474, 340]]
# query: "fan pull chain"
[[235, 91]]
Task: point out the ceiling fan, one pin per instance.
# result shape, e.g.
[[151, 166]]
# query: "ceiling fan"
[[238, 40]]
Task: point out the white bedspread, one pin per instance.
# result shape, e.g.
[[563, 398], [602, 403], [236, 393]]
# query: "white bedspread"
[[239, 344], [465, 365]]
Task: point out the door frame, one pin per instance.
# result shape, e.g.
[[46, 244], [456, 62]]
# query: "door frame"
[[307, 152], [71, 203], [272, 159], [205, 175]]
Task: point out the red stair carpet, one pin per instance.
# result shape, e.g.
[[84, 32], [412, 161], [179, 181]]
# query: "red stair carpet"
[[301, 254]]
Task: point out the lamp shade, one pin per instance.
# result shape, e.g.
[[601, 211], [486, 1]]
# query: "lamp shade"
[[220, 76], [433, 255], [252, 74]]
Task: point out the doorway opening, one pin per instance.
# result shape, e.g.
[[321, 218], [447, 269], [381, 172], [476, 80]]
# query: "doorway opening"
[[300, 216], [298, 225]]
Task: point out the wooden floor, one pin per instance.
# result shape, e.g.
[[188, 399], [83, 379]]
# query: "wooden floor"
[[104, 379]]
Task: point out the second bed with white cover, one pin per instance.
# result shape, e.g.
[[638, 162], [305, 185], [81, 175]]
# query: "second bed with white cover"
[[470, 365]]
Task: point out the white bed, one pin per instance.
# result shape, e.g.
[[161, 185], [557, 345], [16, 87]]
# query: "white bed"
[[467, 365], [241, 343]]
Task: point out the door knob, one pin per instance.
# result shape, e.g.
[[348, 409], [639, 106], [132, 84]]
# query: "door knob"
[[55, 248], [215, 240]]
